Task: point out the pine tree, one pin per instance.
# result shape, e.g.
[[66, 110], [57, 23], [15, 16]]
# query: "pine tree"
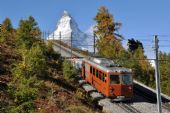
[[134, 44], [7, 25], [143, 69], [6, 30], [28, 32], [108, 44], [25, 83]]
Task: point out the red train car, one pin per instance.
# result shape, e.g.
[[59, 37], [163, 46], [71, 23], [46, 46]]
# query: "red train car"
[[108, 78]]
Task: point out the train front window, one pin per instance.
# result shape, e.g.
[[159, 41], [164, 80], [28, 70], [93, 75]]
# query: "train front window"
[[114, 79], [126, 79]]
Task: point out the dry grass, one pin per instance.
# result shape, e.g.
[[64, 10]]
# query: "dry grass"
[[56, 99], [79, 109]]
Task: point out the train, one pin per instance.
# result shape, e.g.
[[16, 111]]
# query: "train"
[[110, 79]]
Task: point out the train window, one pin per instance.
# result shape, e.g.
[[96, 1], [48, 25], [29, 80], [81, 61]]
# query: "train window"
[[114, 79], [93, 71], [105, 78], [97, 73], [100, 75], [90, 69], [126, 79]]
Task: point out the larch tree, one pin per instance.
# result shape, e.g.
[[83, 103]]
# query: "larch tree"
[[108, 43]]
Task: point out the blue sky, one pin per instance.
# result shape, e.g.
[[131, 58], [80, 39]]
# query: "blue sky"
[[140, 19]]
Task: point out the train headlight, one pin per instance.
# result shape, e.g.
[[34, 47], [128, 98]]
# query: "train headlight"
[[130, 88], [111, 90]]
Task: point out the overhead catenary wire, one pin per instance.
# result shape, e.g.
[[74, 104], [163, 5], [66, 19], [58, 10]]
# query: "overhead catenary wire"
[[146, 40]]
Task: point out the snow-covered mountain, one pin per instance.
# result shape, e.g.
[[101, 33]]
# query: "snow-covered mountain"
[[67, 28]]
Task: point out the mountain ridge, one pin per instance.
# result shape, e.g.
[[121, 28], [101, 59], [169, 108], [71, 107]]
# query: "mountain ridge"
[[68, 29]]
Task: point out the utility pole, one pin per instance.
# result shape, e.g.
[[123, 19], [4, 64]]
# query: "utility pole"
[[157, 76], [0, 27], [48, 34], [71, 44], [94, 44], [53, 36], [60, 40], [44, 35]]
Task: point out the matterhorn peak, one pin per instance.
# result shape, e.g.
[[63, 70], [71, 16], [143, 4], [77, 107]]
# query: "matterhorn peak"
[[68, 29], [66, 13]]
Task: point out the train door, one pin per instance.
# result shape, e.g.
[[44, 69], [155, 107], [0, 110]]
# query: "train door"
[[83, 70], [115, 85], [87, 73]]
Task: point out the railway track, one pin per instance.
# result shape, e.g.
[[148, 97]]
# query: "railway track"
[[166, 106], [128, 108], [151, 98]]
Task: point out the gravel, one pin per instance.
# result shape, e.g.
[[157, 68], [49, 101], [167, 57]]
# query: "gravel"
[[144, 106], [139, 102], [110, 107], [88, 87], [96, 95]]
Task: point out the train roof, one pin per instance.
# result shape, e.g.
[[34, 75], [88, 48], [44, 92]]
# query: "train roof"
[[106, 65]]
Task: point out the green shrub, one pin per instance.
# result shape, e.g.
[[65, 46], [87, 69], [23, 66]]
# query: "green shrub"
[[80, 94], [27, 107], [25, 84], [70, 72], [24, 92], [36, 63], [33, 62]]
